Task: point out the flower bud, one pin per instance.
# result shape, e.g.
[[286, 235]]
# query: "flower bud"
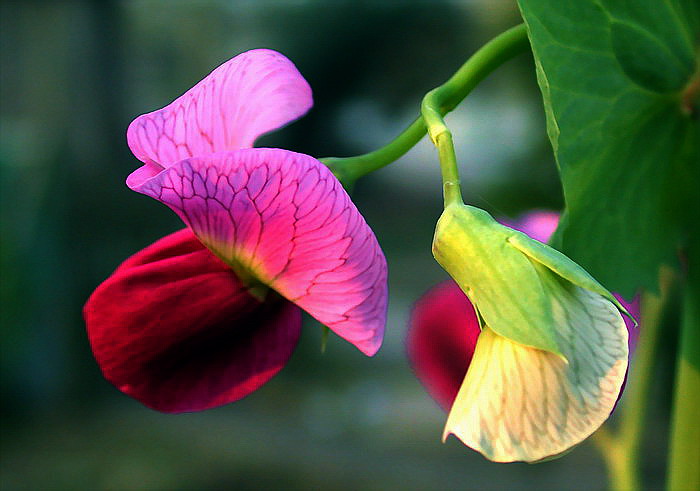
[[552, 355]]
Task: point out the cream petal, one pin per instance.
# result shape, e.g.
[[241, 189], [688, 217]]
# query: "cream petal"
[[519, 403]]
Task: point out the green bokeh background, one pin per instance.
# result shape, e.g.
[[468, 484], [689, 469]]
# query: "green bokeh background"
[[73, 74]]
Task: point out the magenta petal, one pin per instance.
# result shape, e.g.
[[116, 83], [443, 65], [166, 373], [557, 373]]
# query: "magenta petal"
[[539, 224], [174, 328], [249, 95], [441, 339], [285, 219]]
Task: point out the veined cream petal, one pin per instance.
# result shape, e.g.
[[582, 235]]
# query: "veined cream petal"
[[519, 403]]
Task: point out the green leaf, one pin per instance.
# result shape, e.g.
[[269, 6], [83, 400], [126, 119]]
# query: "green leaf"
[[615, 78]]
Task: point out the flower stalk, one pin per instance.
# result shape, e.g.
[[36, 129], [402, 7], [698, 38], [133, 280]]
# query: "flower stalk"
[[442, 139], [621, 449], [493, 54], [684, 455]]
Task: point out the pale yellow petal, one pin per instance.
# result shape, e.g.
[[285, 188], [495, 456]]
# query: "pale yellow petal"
[[523, 404]]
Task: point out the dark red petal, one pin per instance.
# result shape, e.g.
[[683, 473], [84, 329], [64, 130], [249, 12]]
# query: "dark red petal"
[[441, 339], [176, 244], [174, 328]]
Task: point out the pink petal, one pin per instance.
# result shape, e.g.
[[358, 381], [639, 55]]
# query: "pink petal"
[[540, 225], [287, 220], [254, 93], [174, 328], [441, 339]]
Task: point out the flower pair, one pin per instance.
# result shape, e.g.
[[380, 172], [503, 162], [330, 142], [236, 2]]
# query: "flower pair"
[[208, 314], [513, 394]]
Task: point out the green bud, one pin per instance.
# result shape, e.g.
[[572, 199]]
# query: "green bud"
[[509, 277]]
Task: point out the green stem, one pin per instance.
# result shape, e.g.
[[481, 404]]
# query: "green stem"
[[621, 471], [492, 55], [684, 455], [621, 449], [442, 139]]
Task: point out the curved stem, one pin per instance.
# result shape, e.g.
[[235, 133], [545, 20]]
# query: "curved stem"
[[637, 401], [622, 470], [492, 55], [350, 169], [442, 139]]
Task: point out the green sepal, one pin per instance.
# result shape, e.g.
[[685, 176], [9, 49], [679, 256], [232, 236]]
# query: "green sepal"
[[499, 279], [563, 266], [324, 338]]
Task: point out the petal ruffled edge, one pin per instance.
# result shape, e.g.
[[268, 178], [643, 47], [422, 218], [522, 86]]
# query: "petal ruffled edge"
[[251, 94]]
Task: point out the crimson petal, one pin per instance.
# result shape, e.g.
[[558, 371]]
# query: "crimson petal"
[[174, 328], [441, 340]]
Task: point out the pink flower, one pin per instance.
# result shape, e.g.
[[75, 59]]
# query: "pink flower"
[[444, 329], [207, 315]]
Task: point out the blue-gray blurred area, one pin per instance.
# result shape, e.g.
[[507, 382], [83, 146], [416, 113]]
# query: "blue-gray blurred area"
[[75, 73]]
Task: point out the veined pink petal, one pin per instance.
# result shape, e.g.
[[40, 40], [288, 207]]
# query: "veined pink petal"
[[284, 218], [176, 329], [254, 93]]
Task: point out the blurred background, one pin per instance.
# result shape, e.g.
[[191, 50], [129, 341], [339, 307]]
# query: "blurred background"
[[73, 74]]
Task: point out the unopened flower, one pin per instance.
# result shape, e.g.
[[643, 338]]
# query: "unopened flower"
[[205, 316], [551, 355]]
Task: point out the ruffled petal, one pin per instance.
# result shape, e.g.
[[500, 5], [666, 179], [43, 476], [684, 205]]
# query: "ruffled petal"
[[254, 93], [174, 328], [285, 219], [519, 403], [441, 339]]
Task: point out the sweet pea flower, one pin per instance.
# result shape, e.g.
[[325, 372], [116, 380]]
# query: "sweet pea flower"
[[205, 316], [536, 396]]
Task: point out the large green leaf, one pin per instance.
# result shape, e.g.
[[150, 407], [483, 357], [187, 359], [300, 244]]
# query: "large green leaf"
[[615, 78]]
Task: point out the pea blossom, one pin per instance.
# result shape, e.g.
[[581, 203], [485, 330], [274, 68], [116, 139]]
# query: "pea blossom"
[[511, 394], [207, 315]]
